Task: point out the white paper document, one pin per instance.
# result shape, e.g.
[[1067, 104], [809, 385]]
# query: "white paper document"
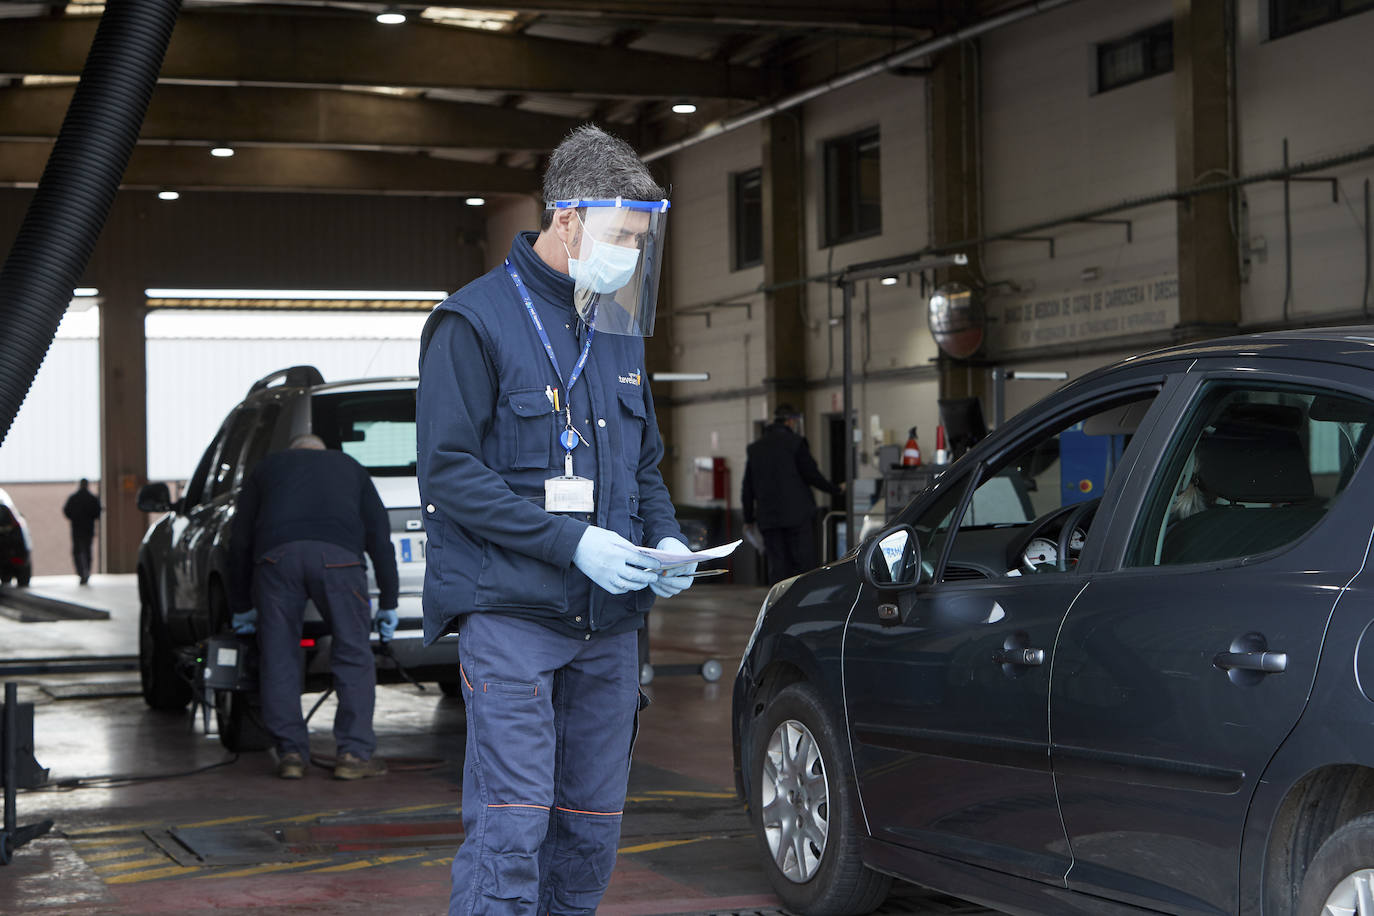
[[674, 558]]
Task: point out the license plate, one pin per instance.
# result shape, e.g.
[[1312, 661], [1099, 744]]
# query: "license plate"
[[410, 549]]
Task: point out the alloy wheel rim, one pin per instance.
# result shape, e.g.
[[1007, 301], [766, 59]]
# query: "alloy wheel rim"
[[796, 801], [1353, 896]]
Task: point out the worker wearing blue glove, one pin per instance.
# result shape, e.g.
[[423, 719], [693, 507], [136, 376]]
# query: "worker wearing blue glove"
[[245, 623], [678, 577], [538, 471]]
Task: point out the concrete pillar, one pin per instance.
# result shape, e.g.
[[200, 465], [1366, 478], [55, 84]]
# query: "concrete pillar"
[[954, 187], [1204, 130], [123, 425], [784, 260]]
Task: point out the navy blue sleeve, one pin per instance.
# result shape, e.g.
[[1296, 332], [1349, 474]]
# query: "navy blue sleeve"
[[241, 546], [806, 466], [455, 403], [655, 505], [377, 528]]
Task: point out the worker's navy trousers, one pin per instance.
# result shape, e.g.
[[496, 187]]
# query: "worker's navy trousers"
[[550, 725], [336, 580]]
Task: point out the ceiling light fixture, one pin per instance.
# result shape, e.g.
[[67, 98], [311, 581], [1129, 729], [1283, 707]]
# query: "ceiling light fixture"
[[888, 281], [168, 195], [684, 108], [222, 152], [391, 17], [475, 201]]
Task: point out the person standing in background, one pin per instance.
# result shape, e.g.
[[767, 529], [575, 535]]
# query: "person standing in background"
[[82, 509]]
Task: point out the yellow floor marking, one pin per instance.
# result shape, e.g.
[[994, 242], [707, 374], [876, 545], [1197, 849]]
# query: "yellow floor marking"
[[365, 863], [264, 869], [223, 820], [662, 844], [126, 866], [168, 872], [107, 854], [447, 860], [98, 841], [112, 828], [302, 818], [416, 808]]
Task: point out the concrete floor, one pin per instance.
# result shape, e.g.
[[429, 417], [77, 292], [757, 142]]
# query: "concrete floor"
[[144, 825]]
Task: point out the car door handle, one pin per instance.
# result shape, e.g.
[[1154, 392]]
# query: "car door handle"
[[1264, 662], [1026, 657]]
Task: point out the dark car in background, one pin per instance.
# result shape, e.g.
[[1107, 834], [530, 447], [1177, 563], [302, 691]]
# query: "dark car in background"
[[16, 547], [183, 560], [1151, 689]]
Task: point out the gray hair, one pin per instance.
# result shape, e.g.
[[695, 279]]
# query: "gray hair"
[[308, 440], [591, 164]]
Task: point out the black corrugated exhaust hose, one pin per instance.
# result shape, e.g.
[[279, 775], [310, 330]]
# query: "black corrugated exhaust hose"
[[77, 188]]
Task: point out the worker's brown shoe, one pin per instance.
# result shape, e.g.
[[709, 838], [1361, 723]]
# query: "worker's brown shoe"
[[351, 766], [291, 766]]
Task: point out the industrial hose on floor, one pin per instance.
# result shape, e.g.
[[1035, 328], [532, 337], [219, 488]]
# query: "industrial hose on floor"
[[78, 186]]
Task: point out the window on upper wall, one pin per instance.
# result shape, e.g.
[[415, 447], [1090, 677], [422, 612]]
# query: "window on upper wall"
[[746, 205], [1289, 16], [853, 191], [1147, 53]]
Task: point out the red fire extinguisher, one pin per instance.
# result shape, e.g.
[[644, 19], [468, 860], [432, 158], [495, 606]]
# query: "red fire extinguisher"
[[911, 453]]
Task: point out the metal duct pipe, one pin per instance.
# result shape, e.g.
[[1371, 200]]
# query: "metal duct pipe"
[[924, 49], [77, 188]]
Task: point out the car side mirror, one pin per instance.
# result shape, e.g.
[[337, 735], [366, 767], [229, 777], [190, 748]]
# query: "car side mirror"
[[155, 497], [892, 560]]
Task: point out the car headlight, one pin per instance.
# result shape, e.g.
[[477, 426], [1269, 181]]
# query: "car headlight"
[[774, 594]]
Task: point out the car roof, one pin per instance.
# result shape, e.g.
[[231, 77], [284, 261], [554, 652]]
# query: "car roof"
[[276, 392], [1352, 345]]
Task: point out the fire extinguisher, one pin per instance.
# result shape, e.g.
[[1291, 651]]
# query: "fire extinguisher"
[[941, 454], [911, 453]]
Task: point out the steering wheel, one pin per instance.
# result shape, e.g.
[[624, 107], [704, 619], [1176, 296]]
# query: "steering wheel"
[[1068, 519]]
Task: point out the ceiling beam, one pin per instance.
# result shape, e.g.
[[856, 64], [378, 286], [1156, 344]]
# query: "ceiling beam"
[[299, 117], [281, 169], [903, 14], [332, 51]]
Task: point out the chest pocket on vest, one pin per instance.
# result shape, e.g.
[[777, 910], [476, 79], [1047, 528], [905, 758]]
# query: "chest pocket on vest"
[[633, 420], [525, 425]]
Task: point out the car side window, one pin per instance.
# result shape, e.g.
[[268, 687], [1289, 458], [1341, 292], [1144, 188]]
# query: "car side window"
[[224, 477], [1038, 502], [261, 439], [197, 488], [1251, 470]]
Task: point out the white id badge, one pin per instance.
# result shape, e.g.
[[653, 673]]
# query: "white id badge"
[[568, 494]]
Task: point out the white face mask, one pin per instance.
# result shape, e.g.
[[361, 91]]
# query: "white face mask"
[[606, 268]]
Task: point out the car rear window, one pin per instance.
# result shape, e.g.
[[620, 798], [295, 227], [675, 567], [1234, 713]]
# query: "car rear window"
[[376, 428]]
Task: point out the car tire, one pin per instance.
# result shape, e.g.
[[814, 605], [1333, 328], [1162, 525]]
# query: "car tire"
[[239, 718], [1342, 872], [22, 577], [816, 871], [163, 687]]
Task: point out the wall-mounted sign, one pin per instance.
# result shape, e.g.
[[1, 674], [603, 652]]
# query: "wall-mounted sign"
[[1075, 316]]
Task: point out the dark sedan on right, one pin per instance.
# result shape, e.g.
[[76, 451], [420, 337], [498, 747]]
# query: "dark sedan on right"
[[1144, 685]]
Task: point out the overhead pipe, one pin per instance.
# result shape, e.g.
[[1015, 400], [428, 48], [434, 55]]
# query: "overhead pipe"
[[78, 187], [891, 62]]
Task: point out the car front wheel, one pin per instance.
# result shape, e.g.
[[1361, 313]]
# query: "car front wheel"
[[1340, 880], [805, 814]]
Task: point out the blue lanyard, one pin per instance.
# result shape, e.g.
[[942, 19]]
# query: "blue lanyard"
[[548, 347]]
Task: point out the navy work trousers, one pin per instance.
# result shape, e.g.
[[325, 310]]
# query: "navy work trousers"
[[335, 579], [791, 551], [551, 720]]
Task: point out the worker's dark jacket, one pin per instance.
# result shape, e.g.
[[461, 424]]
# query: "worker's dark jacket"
[[82, 508], [778, 476], [307, 494], [488, 440]]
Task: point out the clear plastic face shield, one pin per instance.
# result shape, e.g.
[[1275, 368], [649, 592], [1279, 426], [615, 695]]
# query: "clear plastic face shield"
[[615, 254]]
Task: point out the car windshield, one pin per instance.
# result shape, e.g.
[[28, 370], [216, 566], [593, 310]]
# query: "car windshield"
[[376, 428]]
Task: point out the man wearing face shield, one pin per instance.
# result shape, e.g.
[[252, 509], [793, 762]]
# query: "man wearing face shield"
[[538, 472]]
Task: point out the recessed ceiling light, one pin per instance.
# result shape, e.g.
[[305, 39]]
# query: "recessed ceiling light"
[[168, 195], [391, 17], [684, 108], [475, 201], [222, 152], [889, 281]]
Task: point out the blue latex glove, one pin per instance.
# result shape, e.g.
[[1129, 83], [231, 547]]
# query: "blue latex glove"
[[386, 623], [245, 623], [679, 580], [612, 562]]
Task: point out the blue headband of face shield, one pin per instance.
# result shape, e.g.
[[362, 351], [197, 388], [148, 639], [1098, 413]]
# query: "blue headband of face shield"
[[660, 206]]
